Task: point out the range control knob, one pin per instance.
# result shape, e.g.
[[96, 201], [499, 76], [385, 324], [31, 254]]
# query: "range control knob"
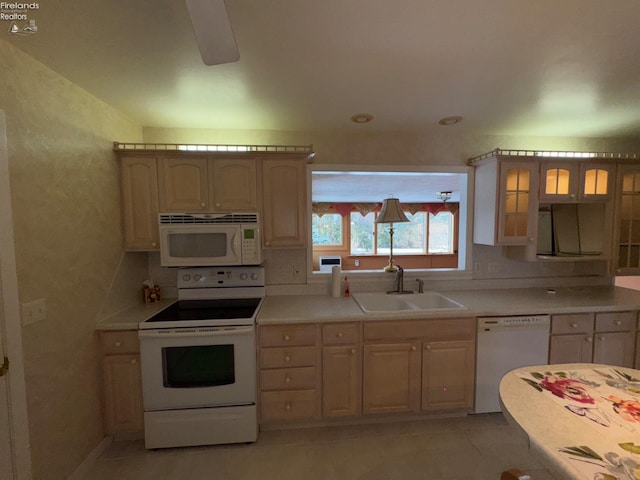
[[243, 276], [186, 277], [255, 276], [197, 277]]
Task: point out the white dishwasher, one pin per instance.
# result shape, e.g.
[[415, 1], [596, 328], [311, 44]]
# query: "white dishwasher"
[[505, 343]]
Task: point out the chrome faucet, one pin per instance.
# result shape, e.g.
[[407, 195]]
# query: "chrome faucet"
[[400, 282], [420, 285]]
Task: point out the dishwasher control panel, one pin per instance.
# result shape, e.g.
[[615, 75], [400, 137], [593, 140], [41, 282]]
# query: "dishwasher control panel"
[[515, 321]]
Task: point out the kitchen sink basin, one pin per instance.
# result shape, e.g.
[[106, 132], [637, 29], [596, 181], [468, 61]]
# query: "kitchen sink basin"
[[427, 301]]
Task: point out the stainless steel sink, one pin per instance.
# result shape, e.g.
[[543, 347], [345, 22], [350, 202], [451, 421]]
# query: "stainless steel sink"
[[427, 301]]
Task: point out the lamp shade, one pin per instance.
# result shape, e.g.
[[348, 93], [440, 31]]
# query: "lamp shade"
[[391, 212]]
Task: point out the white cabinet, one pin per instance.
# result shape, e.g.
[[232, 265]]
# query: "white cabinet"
[[506, 206], [575, 181]]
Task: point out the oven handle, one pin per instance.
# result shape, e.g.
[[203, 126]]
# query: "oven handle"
[[195, 332]]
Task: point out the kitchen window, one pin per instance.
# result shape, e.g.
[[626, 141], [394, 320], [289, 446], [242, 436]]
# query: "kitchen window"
[[345, 203]]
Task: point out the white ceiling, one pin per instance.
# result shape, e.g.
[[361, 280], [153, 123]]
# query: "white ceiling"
[[514, 67]]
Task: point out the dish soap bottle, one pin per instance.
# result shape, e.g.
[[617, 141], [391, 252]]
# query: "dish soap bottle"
[[346, 287]]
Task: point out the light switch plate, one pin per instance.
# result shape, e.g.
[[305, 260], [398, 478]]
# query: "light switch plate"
[[34, 311]]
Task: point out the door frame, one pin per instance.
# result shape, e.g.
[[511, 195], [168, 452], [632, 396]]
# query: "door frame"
[[12, 329]]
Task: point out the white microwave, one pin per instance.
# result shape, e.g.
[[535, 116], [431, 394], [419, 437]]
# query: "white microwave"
[[209, 239]]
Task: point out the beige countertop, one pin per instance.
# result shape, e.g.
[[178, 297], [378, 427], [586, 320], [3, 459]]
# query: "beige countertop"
[[321, 308], [131, 317], [581, 420], [517, 301]]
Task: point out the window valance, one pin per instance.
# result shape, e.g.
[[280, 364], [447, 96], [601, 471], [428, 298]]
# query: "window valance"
[[345, 208]]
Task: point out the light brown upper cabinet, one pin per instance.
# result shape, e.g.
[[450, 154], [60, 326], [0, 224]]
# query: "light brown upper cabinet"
[[233, 185], [284, 185], [203, 184], [575, 181], [506, 206], [140, 203], [184, 184]]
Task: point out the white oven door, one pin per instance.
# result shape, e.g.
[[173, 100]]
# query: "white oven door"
[[198, 367]]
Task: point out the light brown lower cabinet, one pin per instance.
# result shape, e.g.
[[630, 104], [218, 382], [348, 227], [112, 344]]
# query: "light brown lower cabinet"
[[366, 368], [122, 383], [448, 375], [341, 381], [606, 337], [391, 382]]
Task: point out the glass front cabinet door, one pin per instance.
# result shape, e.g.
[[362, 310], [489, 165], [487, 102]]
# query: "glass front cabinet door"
[[628, 222], [517, 221], [575, 181]]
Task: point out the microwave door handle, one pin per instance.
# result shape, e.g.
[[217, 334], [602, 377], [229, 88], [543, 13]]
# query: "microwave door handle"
[[235, 243]]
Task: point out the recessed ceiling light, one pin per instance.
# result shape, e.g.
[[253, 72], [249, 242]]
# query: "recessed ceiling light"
[[361, 118], [450, 120]]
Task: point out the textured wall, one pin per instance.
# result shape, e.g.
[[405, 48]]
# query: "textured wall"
[[66, 209]]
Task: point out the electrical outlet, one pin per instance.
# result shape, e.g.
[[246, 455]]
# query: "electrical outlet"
[[34, 311]]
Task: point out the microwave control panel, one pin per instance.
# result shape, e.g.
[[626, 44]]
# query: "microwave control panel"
[[251, 246]]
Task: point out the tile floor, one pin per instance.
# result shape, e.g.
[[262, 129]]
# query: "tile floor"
[[477, 447]]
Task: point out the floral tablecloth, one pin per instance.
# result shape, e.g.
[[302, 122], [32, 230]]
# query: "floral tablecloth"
[[605, 400]]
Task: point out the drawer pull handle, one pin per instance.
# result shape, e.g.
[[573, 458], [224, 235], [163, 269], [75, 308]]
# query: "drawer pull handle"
[[286, 338], [339, 334], [618, 322], [287, 358], [353, 351], [134, 361], [427, 347], [287, 379], [573, 325], [118, 344], [601, 338], [588, 339], [287, 407], [413, 348]]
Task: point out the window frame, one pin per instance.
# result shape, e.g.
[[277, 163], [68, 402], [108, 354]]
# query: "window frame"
[[464, 184]]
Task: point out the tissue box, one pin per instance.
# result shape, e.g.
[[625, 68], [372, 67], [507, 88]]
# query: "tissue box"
[[151, 295]]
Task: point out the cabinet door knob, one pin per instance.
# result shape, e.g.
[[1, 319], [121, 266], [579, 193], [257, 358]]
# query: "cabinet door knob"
[[218, 204], [413, 348], [573, 325], [287, 358], [286, 338], [601, 338], [427, 347], [153, 244], [118, 344], [339, 334], [203, 205], [287, 407], [287, 379], [618, 322], [588, 339], [134, 361], [353, 351]]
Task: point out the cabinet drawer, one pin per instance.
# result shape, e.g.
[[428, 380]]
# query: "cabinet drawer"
[[572, 323], [287, 357], [432, 329], [288, 378], [283, 335], [615, 321], [288, 405], [119, 342], [340, 334]]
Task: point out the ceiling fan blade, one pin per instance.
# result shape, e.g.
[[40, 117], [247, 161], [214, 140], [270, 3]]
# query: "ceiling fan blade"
[[213, 31]]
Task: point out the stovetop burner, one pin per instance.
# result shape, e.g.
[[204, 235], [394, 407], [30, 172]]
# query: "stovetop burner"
[[219, 309]]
